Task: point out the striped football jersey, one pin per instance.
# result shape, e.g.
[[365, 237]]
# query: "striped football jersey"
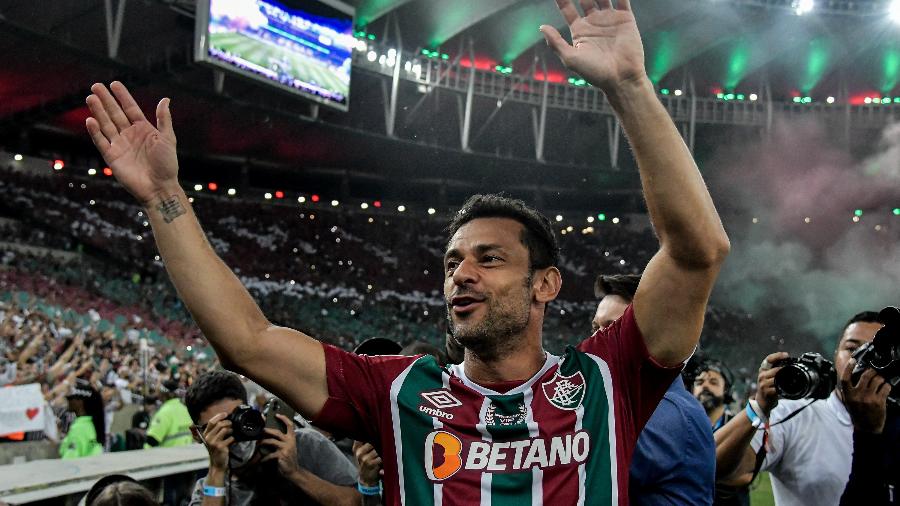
[[563, 437]]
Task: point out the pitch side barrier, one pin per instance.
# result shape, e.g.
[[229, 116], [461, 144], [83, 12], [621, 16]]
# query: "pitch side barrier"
[[63, 482]]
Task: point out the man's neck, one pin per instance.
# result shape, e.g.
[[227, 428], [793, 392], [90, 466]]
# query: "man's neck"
[[716, 414], [518, 365]]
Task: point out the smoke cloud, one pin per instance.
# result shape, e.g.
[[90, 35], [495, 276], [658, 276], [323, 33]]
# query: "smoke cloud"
[[805, 256]]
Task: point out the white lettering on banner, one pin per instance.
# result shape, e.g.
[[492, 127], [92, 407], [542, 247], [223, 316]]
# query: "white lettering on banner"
[[515, 456], [21, 409]]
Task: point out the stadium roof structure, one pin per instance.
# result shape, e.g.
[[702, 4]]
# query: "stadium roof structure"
[[487, 104]]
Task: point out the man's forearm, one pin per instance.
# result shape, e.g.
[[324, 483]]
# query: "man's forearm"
[[324, 492], [679, 203], [733, 448], [217, 300]]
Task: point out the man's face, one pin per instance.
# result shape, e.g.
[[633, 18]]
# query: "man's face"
[[488, 285], [709, 389], [223, 406], [855, 335], [610, 309]]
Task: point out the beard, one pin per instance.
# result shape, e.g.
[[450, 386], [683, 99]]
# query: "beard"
[[500, 330], [710, 401]]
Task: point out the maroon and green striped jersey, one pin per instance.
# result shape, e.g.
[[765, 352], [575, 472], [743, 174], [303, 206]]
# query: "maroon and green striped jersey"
[[563, 437]]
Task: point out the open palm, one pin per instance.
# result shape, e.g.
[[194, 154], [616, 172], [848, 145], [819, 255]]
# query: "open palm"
[[606, 46], [142, 158]]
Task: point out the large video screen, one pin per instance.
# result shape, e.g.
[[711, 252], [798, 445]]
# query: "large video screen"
[[302, 46]]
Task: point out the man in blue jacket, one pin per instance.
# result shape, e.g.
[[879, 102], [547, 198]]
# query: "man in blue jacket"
[[675, 458]]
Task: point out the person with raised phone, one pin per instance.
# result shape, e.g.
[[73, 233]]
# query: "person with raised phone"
[[513, 422]]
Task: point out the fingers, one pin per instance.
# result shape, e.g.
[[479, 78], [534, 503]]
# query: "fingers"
[[624, 5], [568, 10], [846, 374], [287, 421], [106, 125], [164, 119], [773, 358], [588, 6], [113, 109], [100, 140], [130, 108], [277, 434], [559, 45]]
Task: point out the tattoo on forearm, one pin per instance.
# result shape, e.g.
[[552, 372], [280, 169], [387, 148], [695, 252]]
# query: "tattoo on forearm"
[[170, 208]]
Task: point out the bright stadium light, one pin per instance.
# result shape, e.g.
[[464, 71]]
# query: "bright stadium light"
[[18, 157], [894, 11], [802, 7]]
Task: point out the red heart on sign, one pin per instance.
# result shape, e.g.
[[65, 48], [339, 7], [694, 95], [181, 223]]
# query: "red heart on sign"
[[32, 412]]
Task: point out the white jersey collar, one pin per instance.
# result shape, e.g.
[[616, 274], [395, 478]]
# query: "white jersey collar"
[[459, 371]]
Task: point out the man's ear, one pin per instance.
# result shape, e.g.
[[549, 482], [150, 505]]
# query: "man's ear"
[[546, 285]]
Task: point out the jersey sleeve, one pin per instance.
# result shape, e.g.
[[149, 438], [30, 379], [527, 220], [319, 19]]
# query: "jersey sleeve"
[[637, 377], [358, 393], [159, 426]]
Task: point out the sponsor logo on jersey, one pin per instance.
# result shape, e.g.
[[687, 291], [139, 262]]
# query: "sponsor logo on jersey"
[[445, 454], [435, 412], [441, 399], [565, 392]]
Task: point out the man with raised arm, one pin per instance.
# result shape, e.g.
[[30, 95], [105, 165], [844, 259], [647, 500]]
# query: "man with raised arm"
[[512, 423]]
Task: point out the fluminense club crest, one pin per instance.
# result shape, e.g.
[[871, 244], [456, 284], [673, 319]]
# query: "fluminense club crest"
[[565, 392]]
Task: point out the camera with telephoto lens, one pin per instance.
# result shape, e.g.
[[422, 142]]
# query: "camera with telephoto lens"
[[810, 376], [247, 424], [883, 353]]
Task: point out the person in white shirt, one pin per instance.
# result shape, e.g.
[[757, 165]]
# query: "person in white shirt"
[[809, 455]]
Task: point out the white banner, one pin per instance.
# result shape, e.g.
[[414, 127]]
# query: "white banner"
[[21, 409]]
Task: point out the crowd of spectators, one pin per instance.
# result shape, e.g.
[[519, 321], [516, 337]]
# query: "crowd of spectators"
[[342, 275]]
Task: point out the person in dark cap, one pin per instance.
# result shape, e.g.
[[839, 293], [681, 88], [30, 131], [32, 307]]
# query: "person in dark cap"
[[83, 438], [171, 425]]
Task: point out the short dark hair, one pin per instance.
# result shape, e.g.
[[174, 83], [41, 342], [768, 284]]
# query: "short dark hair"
[[537, 236], [864, 316], [212, 387], [623, 285]]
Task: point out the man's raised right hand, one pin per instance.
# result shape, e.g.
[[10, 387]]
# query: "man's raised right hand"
[[142, 158]]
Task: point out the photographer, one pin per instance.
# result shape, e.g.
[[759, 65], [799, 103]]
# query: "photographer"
[[875, 471], [805, 445], [300, 466]]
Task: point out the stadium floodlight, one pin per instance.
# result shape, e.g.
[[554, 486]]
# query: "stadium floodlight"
[[802, 7], [894, 11]]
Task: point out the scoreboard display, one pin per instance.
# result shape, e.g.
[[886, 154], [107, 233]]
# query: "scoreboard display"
[[301, 46]]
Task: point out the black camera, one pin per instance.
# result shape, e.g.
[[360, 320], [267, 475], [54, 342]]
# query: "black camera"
[[883, 353], [809, 376], [247, 424]]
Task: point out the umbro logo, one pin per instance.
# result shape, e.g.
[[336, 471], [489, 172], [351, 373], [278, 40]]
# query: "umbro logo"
[[441, 399]]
